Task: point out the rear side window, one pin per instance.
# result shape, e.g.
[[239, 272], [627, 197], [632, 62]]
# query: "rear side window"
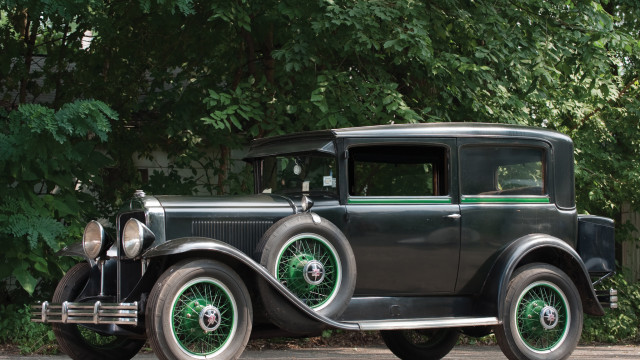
[[397, 171], [503, 170]]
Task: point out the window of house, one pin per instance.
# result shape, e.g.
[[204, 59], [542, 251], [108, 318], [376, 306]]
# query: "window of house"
[[503, 170], [397, 171]]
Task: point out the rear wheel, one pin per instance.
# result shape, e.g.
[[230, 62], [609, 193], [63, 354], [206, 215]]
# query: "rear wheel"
[[428, 344], [199, 309], [542, 315], [79, 342]]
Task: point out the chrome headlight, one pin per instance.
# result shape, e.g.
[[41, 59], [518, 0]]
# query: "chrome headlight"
[[94, 240], [136, 237]]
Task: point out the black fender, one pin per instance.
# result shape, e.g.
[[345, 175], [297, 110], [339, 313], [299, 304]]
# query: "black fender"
[[75, 250], [537, 248], [200, 245]]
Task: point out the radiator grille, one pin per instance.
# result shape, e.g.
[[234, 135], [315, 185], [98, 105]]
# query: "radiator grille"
[[242, 234]]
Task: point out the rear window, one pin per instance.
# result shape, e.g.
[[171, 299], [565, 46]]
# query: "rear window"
[[503, 170]]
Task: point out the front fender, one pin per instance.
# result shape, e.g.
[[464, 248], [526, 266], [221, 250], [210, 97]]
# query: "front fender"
[[75, 250], [537, 248], [200, 244]]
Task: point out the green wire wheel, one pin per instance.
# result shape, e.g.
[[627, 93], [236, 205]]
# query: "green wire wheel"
[[199, 309], [309, 266], [541, 314], [80, 342], [204, 317], [312, 259]]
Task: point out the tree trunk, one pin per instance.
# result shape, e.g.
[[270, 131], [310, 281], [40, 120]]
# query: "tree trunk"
[[57, 101], [269, 62], [224, 169], [30, 34]]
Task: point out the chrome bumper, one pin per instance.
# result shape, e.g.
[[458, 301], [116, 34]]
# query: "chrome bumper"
[[86, 313], [608, 298]]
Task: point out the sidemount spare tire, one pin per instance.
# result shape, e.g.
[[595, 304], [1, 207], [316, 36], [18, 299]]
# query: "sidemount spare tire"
[[313, 259]]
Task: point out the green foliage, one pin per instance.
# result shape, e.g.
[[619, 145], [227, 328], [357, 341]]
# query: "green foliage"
[[16, 328], [618, 325], [50, 160]]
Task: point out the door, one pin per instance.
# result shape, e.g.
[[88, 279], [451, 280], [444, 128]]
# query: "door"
[[402, 220]]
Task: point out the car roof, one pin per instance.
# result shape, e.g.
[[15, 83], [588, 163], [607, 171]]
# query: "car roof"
[[449, 130], [421, 130]]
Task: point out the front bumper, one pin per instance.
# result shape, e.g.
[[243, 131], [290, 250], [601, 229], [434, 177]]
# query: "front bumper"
[[97, 313]]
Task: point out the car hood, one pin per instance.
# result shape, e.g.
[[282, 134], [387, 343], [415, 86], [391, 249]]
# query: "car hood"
[[237, 220], [201, 203]]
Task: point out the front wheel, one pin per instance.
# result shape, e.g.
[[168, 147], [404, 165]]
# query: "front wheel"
[[79, 342], [199, 309], [542, 315], [429, 344]]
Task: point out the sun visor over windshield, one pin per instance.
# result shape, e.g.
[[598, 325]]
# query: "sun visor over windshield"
[[291, 147]]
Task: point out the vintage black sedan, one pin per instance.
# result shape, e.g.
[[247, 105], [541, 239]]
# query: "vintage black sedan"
[[421, 231]]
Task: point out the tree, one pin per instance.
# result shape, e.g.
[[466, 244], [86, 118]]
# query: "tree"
[[199, 79]]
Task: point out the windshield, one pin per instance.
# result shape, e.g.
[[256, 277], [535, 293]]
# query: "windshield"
[[301, 173]]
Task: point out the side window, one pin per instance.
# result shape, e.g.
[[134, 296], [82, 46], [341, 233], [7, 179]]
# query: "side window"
[[503, 170], [397, 171]]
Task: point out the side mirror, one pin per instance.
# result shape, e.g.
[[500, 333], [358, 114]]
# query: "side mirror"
[[307, 203]]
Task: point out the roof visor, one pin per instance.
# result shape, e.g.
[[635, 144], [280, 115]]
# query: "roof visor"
[[292, 146]]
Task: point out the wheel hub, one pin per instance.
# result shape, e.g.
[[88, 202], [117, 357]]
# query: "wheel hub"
[[313, 272], [549, 317], [209, 318]]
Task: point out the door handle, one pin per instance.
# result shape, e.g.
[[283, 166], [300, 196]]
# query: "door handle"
[[453, 216]]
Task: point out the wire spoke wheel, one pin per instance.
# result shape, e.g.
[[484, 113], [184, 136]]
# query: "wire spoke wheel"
[[312, 258], [199, 309], [83, 342], [203, 317], [542, 316], [308, 265]]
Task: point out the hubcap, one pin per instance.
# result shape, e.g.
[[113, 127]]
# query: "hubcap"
[[542, 317], [314, 272], [209, 318], [549, 317], [309, 267]]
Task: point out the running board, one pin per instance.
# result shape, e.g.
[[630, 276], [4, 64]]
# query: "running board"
[[434, 323]]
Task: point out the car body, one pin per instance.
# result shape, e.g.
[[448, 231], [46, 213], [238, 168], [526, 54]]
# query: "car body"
[[421, 231]]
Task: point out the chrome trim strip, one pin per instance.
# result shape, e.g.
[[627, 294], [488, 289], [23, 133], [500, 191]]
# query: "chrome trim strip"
[[427, 323]]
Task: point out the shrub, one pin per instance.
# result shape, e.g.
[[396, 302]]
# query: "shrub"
[[618, 325]]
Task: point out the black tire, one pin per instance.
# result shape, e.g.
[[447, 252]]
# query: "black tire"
[[542, 315], [314, 260], [79, 342], [202, 297], [427, 344]]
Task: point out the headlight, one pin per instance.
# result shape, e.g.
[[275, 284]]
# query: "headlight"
[[135, 238], [94, 239]]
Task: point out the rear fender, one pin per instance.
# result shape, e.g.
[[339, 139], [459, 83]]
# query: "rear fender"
[[537, 248]]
